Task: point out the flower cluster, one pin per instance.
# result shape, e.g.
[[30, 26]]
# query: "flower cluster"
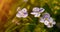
[[37, 11], [47, 20], [22, 13]]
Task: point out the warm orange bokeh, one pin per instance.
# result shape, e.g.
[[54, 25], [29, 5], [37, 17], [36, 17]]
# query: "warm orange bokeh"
[[4, 10]]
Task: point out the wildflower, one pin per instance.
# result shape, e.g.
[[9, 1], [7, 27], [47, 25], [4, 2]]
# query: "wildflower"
[[22, 13], [47, 20], [46, 16], [50, 21], [37, 11]]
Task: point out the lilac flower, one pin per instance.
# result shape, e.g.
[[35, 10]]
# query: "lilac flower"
[[22, 13], [51, 21], [37, 11], [47, 20]]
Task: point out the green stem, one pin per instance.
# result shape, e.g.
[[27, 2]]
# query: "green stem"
[[29, 18]]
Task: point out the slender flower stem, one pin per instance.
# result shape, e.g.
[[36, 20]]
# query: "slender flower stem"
[[29, 18]]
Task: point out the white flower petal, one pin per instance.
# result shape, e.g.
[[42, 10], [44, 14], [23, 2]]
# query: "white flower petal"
[[24, 10], [35, 9], [46, 22], [41, 20], [41, 10], [24, 16], [37, 15], [19, 11], [53, 22], [49, 26], [51, 19], [18, 15], [33, 13]]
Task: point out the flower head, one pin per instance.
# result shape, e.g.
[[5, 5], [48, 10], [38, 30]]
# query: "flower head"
[[47, 20], [37, 11], [22, 13]]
